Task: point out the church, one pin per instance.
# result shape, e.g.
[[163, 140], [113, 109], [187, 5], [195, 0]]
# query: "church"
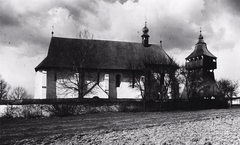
[[88, 68]]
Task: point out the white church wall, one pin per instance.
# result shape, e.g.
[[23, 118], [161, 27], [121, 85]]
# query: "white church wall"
[[40, 85], [63, 91], [65, 85], [125, 90], [98, 91], [51, 82], [102, 89]]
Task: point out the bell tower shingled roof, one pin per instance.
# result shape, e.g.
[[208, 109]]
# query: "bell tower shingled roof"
[[200, 49]]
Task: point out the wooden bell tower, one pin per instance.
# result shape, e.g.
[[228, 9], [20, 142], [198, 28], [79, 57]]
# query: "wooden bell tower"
[[200, 65], [202, 59]]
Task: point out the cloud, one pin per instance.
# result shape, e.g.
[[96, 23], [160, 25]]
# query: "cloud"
[[31, 23], [120, 1], [169, 21], [6, 19], [232, 6], [121, 20], [7, 15], [78, 9], [20, 26], [176, 23]]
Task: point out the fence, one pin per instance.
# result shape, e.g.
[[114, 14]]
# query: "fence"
[[135, 104]]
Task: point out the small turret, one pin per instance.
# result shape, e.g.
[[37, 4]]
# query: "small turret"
[[145, 36], [200, 38]]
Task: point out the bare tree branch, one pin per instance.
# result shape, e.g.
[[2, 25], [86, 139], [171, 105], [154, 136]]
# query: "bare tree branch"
[[4, 89]]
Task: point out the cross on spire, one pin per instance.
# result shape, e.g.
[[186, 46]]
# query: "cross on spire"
[[200, 36], [52, 31]]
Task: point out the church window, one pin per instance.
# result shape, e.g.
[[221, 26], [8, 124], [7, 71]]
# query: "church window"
[[55, 76], [44, 83], [118, 80], [106, 82], [133, 80], [98, 78], [142, 79], [44, 79]]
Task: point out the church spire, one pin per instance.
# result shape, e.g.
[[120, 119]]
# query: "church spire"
[[52, 31], [200, 38], [145, 35]]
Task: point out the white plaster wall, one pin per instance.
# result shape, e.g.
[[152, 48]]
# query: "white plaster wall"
[[2, 110], [236, 102], [98, 90], [40, 79], [63, 92], [126, 91], [102, 90]]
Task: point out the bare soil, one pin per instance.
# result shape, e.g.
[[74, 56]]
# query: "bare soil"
[[179, 127]]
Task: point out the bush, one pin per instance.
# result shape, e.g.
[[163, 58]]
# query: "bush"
[[131, 108], [24, 111], [62, 110]]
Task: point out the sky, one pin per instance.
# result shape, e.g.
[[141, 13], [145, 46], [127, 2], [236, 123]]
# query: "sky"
[[26, 26]]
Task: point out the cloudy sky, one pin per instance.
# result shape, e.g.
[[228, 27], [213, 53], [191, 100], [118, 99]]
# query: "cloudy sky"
[[26, 25]]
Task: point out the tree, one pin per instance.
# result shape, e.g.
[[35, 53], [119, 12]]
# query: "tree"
[[152, 80], [85, 35], [19, 93], [193, 81], [170, 82], [81, 78], [228, 88], [4, 89]]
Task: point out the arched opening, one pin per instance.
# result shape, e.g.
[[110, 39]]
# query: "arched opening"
[[118, 80]]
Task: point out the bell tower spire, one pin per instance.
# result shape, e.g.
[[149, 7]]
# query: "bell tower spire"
[[200, 38], [145, 36]]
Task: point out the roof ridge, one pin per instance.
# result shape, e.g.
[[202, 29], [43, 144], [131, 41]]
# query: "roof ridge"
[[106, 40]]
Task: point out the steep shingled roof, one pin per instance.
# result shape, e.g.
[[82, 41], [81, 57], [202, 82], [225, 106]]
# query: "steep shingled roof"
[[115, 54], [200, 49]]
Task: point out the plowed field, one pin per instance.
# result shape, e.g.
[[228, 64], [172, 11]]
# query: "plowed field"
[[167, 128]]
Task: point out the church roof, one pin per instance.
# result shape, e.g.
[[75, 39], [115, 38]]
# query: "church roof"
[[200, 49], [101, 54]]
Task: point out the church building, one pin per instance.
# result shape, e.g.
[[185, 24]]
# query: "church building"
[[100, 68]]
